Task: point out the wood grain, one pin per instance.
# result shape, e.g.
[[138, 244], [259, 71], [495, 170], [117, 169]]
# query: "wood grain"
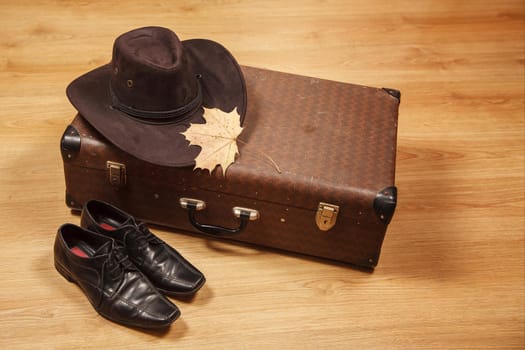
[[451, 274]]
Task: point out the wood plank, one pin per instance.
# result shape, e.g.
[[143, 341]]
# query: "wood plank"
[[451, 274]]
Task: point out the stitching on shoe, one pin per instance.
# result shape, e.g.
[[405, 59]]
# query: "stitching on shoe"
[[79, 279], [141, 309], [117, 297]]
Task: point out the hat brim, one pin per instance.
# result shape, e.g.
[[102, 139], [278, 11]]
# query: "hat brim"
[[222, 85]]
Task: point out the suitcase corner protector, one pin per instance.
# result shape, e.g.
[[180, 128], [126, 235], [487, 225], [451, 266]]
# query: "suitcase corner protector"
[[70, 143], [72, 203], [394, 93], [385, 204]]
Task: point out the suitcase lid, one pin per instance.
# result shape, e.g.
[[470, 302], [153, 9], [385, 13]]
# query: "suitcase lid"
[[328, 142]]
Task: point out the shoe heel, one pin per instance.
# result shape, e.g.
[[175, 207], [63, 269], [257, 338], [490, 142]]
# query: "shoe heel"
[[63, 272]]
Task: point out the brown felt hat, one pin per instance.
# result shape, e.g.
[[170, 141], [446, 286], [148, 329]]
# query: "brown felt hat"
[[153, 88]]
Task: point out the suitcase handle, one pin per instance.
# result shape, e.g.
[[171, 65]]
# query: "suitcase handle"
[[244, 214]]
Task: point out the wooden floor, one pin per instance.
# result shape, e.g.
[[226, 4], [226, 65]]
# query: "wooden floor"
[[451, 274]]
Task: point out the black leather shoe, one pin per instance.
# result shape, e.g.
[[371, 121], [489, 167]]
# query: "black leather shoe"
[[168, 270], [114, 286]]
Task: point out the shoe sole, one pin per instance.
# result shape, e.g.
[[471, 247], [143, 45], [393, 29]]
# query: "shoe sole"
[[64, 273]]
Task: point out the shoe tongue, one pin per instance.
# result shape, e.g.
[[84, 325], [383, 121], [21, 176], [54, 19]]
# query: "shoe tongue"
[[104, 249]]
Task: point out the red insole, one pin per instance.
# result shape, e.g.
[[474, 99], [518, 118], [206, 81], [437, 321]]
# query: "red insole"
[[79, 252], [107, 227]]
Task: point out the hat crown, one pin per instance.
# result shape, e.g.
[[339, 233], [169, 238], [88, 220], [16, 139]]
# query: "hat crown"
[[151, 73]]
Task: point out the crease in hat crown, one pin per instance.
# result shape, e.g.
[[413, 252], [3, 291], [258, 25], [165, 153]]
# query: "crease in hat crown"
[[152, 78]]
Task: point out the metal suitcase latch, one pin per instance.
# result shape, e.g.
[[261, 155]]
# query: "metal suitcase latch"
[[326, 215], [116, 173]]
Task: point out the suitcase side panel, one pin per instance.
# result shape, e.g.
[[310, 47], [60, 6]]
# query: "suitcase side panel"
[[279, 226]]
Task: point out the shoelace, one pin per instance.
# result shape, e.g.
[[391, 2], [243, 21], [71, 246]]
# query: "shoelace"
[[118, 262], [142, 235]]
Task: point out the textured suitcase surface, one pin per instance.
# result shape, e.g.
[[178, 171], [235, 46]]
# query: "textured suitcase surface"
[[332, 142]]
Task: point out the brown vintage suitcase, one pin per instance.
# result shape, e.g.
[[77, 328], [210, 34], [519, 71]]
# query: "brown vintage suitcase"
[[315, 174]]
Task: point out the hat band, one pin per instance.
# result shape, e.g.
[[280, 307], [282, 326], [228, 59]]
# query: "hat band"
[[159, 117]]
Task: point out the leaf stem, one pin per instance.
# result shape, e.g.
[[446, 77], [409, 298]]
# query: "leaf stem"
[[264, 155]]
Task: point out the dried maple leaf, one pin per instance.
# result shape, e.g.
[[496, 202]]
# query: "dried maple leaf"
[[217, 138]]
